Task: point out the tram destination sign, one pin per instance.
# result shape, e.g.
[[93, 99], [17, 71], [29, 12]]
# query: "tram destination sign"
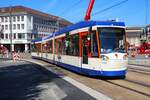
[[111, 30]]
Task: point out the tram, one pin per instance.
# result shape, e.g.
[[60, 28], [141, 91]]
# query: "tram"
[[94, 48]]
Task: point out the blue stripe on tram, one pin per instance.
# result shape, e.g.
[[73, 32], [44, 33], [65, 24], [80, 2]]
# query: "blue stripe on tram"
[[85, 71]]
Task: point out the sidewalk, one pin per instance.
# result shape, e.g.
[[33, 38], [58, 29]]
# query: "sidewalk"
[[139, 61], [95, 94]]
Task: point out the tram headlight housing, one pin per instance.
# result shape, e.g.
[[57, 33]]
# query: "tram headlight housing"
[[105, 58], [125, 57]]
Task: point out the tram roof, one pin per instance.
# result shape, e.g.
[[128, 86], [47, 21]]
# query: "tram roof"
[[79, 25], [83, 24], [42, 38], [37, 40]]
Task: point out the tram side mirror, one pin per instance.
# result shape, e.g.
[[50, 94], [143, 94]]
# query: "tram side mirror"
[[88, 37]]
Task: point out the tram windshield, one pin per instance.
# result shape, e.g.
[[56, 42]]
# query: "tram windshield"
[[111, 39]]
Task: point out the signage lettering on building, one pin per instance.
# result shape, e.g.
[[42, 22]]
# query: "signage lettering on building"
[[18, 42]]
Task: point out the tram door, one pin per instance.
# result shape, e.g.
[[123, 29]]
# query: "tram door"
[[84, 50], [85, 46]]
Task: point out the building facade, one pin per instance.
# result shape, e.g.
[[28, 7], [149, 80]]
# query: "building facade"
[[19, 25], [134, 35], [148, 33]]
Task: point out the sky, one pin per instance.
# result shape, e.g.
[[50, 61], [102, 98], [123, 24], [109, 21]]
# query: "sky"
[[132, 12]]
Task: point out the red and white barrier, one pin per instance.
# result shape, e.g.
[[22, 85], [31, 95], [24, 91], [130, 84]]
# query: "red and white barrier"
[[16, 56]]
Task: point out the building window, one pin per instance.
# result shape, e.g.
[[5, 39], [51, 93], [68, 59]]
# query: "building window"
[[18, 26], [14, 18], [21, 36], [6, 19], [28, 36], [18, 18], [22, 18], [14, 26], [6, 27], [2, 36], [22, 26], [6, 36], [2, 19], [2, 27], [14, 35]]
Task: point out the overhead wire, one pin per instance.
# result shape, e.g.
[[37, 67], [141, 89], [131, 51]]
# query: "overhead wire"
[[103, 10], [70, 7], [98, 12]]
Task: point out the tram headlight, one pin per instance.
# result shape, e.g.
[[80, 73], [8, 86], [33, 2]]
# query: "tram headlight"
[[125, 57], [105, 58], [116, 55]]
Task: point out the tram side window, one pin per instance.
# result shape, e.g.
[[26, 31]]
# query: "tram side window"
[[34, 49], [59, 46], [94, 47], [75, 45], [71, 45], [38, 47], [66, 45], [50, 44], [44, 48], [55, 44]]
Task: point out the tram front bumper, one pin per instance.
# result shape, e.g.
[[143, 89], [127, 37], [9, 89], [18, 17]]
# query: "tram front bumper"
[[113, 73]]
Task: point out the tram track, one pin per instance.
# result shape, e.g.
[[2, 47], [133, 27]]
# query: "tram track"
[[130, 88], [137, 82], [58, 69], [111, 87], [131, 85], [139, 71]]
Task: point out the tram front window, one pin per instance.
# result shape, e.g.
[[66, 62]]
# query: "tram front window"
[[111, 39]]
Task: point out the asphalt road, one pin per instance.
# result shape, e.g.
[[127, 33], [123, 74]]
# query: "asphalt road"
[[27, 81]]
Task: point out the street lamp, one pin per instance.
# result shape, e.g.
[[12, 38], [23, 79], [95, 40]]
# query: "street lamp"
[[10, 27]]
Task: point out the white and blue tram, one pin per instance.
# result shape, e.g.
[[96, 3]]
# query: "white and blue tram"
[[95, 48]]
